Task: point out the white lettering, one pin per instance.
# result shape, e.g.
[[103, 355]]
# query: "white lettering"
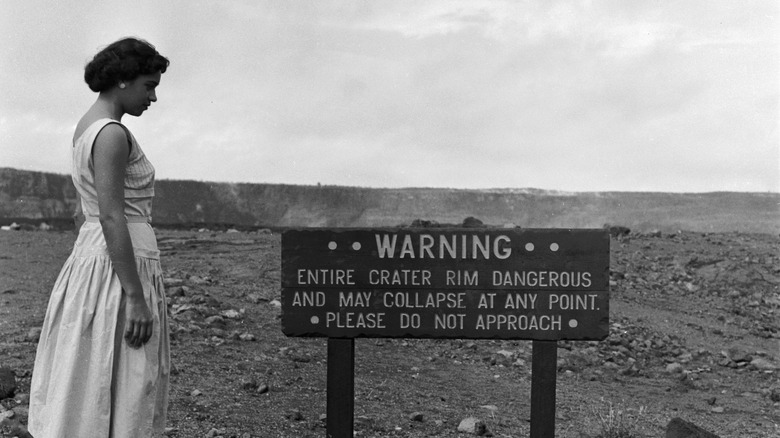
[[400, 277], [462, 278], [486, 301], [449, 321], [407, 249], [520, 301], [355, 320], [518, 322], [463, 246], [326, 276], [411, 300], [426, 243], [572, 301], [313, 299], [354, 299], [409, 320], [542, 279]]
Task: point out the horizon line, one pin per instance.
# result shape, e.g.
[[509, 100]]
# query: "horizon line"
[[528, 190]]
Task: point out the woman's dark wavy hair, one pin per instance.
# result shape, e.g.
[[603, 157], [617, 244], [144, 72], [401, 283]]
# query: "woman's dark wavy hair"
[[123, 60]]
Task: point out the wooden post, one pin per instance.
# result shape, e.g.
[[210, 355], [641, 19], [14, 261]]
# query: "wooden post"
[[341, 388], [544, 369]]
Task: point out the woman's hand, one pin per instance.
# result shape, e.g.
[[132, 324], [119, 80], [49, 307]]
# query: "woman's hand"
[[138, 322]]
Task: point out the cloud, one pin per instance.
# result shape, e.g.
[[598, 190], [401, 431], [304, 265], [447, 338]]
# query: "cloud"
[[560, 95]]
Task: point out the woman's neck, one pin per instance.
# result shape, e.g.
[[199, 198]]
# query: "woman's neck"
[[107, 106]]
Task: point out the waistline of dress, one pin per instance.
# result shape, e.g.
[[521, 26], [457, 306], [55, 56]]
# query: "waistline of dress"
[[88, 251], [130, 219]]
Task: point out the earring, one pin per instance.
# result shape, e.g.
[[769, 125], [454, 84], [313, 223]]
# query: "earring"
[[121, 85]]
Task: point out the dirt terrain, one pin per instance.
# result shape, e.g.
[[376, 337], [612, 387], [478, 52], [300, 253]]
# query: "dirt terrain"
[[695, 334]]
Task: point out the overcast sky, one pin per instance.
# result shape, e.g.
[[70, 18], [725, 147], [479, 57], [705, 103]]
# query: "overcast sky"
[[676, 96]]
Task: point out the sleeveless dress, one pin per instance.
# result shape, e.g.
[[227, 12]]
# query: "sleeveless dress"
[[87, 382]]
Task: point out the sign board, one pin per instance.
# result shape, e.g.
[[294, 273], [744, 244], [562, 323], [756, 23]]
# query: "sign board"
[[473, 283]]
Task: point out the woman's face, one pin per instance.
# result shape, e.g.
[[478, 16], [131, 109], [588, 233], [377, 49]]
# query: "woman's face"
[[139, 93]]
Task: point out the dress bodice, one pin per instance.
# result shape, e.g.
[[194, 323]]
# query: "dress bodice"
[[139, 173]]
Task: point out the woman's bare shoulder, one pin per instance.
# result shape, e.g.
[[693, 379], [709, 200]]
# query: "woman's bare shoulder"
[[88, 120], [113, 136]]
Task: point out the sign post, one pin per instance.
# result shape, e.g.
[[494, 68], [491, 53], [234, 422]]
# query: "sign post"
[[341, 387], [534, 284], [544, 368]]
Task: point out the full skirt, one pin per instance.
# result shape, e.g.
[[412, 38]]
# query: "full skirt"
[[87, 382]]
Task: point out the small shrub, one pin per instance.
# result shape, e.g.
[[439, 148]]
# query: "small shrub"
[[616, 421]]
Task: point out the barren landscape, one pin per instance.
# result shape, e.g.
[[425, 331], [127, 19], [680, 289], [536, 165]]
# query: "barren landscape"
[[694, 334]]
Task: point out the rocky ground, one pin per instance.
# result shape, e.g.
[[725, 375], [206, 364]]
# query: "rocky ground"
[[695, 334]]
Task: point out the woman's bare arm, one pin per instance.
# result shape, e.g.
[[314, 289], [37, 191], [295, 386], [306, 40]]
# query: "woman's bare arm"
[[110, 154]]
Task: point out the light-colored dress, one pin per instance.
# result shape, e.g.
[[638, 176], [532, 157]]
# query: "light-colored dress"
[[87, 382]]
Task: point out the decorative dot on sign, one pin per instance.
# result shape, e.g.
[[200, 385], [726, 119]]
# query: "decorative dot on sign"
[[315, 320], [529, 246], [554, 247], [573, 323], [356, 246], [332, 246]]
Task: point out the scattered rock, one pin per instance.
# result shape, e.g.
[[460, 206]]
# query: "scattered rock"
[[21, 412], [249, 384], [22, 399], [214, 433], [679, 428], [473, 426], [256, 298], [195, 393], [737, 355], [763, 364], [215, 321], [19, 431], [171, 282], [416, 416], [247, 337], [492, 408], [6, 415], [194, 279], [33, 334], [231, 314], [176, 291], [217, 333], [295, 415], [674, 368], [7, 383]]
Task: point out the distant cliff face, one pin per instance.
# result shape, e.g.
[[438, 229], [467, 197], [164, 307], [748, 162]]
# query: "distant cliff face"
[[37, 195]]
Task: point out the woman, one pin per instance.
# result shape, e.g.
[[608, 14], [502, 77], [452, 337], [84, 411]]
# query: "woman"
[[103, 358]]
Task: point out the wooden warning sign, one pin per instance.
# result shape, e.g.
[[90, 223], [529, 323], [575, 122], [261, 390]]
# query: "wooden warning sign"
[[536, 284]]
